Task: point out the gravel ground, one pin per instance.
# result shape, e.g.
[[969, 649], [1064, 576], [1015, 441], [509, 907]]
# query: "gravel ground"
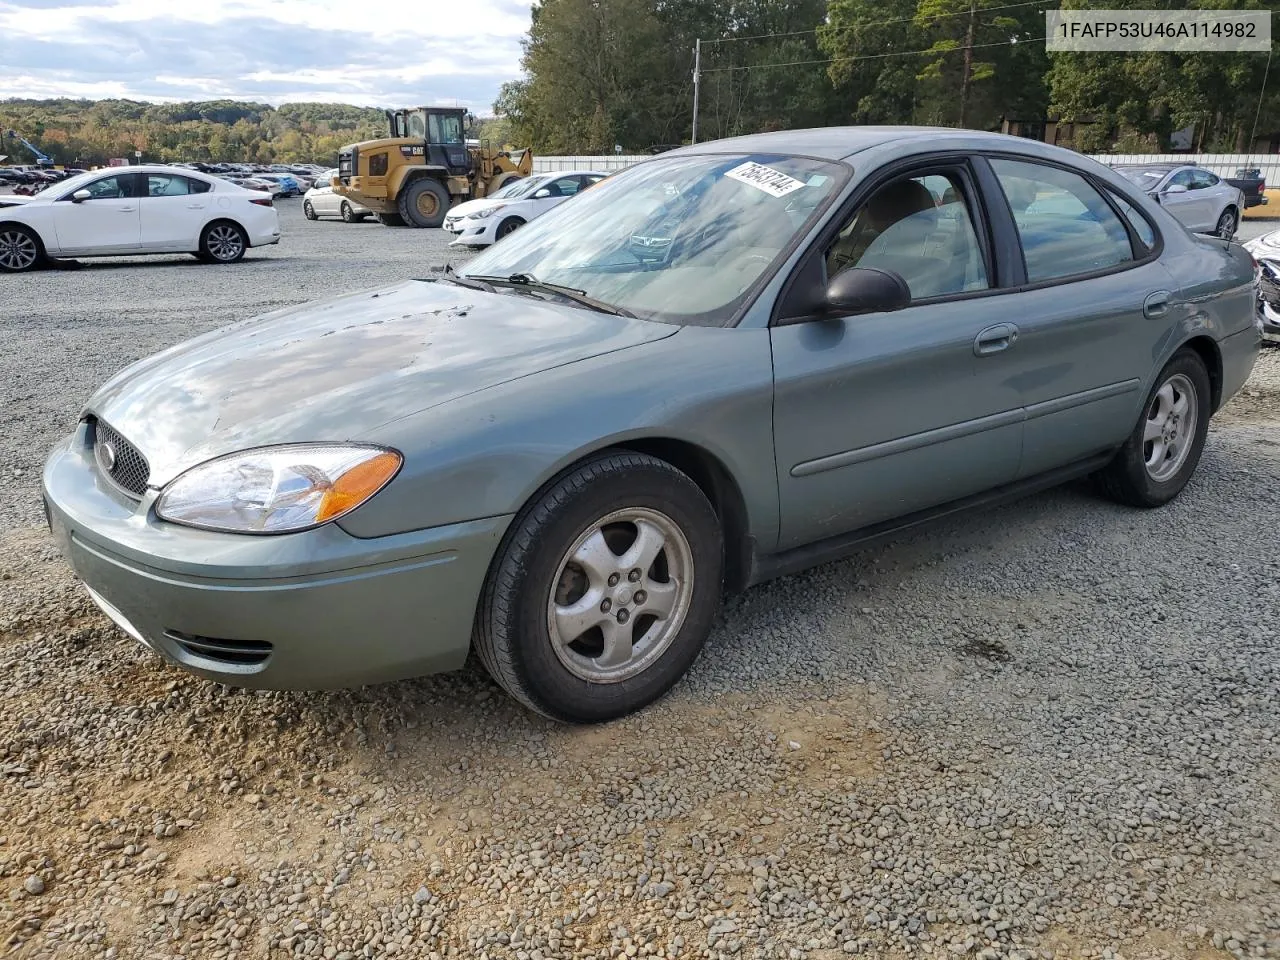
[[1046, 730]]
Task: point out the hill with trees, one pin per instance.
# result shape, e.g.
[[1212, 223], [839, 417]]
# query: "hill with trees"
[[81, 132]]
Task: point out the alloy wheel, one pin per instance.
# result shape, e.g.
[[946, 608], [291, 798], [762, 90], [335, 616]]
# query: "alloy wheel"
[[1170, 427], [224, 242], [18, 251], [1227, 225], [620, 595]]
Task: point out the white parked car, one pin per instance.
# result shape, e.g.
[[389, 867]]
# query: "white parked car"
[[125, 211], [478, 223], [1266, 254], [321, 201]]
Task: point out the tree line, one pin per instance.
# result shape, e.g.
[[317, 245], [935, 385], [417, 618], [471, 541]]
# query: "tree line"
[[86, 132], [606, 72]]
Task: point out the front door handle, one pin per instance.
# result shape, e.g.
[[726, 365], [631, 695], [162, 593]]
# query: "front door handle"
[[126, 209], [993, 339], [1157, 305]]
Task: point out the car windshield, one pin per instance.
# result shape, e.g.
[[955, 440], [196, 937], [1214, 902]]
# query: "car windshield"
[[519, 189], [1144, 176], [680, 239]]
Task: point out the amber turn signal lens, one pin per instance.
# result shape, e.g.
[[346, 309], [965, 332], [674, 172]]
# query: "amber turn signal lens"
[[357, 485]]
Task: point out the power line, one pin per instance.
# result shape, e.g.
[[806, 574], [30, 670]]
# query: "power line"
[[877, 56], [879, 23]]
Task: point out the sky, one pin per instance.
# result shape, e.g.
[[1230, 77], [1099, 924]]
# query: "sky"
[[383, 53]]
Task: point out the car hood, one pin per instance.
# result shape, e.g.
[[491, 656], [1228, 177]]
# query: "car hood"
[[335, 370], [1267, 245], [472, 207], [13, 199]]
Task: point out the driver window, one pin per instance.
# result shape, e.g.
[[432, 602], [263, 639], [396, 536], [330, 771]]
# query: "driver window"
[[109, 188], [1181, 179], [920, 228]]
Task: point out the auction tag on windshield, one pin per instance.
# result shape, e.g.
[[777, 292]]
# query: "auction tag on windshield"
[[771, 181]]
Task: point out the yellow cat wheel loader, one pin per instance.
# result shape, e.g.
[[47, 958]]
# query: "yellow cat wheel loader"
[[425, 166]]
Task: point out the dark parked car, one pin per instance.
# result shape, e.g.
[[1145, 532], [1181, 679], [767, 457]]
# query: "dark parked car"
[[563, 454], [1250, 182]]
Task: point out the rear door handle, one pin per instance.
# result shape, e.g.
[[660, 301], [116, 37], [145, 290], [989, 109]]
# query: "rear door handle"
[[993, 339], [1157, 305], [195, 206]]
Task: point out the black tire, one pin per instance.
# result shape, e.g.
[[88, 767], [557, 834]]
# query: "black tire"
[[348, 215], [512, 635], [423, 203], [1127, 478], [20, 249], [390, 219], [309, 211], [507, 226], [217, 243], [1228, 223]]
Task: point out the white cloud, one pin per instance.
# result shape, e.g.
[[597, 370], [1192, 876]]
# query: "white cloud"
[[400, 53]]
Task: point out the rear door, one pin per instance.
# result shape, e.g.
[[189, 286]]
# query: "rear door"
[[109, 222], [174, 210], [1094, 305]]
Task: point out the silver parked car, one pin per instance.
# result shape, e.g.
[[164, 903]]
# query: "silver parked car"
[[321, 201], [728, 362], [1202, 201]]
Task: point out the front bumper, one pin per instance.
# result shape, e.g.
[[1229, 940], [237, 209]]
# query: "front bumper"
[[1269, 318], [471, 231], [319, 609]]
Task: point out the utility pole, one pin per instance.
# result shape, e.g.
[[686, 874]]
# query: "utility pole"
[[697, 75], [966, 76]]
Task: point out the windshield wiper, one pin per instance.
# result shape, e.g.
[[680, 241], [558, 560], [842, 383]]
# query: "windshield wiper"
[[449, 276], [530, 282]]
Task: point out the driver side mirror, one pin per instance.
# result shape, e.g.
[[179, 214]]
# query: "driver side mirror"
[[1175, 188], [542, 194], [866, 290], [80, 196]]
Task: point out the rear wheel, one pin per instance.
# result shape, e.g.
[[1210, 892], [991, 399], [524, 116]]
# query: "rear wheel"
[[508, 226], [1164, 448], [1227, 224], [423, 203], [20, 248], [604, 590], [390, 219], [309, 211], [222, 242], [347, 213]]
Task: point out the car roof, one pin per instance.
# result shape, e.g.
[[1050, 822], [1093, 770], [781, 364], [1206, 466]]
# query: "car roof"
[[841, 143]]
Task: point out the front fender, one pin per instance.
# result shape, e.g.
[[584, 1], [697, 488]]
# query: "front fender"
[[486, 454]]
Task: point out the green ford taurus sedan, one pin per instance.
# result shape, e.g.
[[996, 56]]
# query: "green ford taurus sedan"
[[724, 364]]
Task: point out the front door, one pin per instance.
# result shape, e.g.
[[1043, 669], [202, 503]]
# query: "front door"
[[108, 222], [878, 416]]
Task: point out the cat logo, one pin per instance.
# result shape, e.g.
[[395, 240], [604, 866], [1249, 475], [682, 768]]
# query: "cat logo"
[[409, 151]]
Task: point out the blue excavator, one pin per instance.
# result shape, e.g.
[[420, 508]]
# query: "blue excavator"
[[41, 158]]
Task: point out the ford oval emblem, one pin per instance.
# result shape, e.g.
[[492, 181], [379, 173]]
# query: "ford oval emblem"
[[108, 457]]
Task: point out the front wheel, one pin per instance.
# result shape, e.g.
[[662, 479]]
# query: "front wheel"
[[20, 248], [604, 590], [1227, 224], [423, 203], [508, 227], [1164, 448], [222, 242]]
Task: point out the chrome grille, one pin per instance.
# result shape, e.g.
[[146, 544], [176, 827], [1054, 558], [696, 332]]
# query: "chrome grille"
[[119, 460]]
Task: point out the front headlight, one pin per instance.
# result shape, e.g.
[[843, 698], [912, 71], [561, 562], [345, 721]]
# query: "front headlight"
[[278, 489], [488, 211]]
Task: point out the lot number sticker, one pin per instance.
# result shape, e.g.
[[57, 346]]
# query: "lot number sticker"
[[771, 181]]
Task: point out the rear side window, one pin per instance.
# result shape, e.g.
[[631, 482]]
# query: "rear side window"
[[199, 186], [1066, 227], [1141, 225]]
